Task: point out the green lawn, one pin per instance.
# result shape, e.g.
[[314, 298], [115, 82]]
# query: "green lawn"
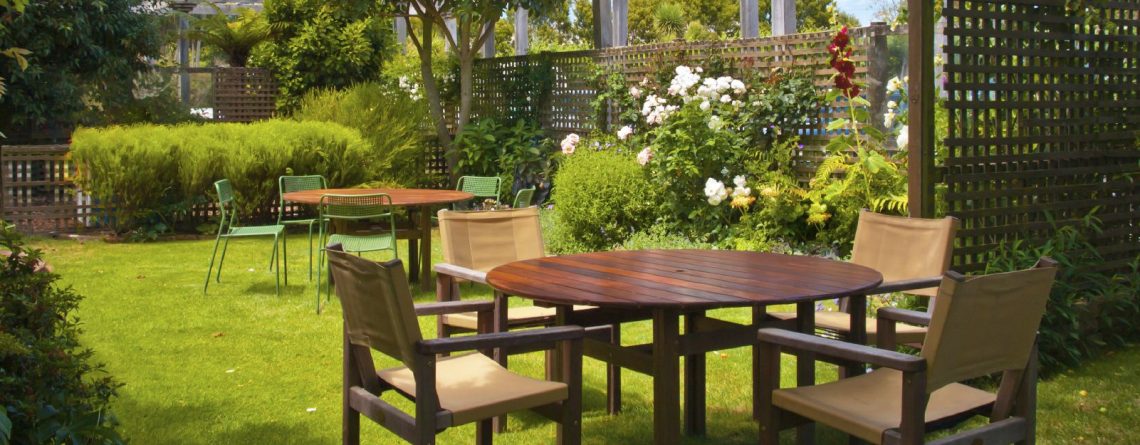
[[241, 365]]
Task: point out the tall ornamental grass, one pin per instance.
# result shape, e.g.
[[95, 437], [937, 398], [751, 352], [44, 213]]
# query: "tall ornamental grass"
[[155, 174]]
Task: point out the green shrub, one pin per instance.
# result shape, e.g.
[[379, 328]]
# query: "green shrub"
[[50, 390], [1088, 309], [152, 175], [388, 118], [520, 154], [659, 237], [601, 198]]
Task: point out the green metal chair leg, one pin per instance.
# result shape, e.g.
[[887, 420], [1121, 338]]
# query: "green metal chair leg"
[[222, 260], [284, 266], [311, 250], [278, 263], [210, 271]]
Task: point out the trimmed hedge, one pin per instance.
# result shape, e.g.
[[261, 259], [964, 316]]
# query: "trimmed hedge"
[[601, 198], [155, 174]]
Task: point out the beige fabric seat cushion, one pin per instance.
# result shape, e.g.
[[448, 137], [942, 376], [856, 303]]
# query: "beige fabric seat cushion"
[[841, 322], [867, 405], [473, 387], [516, 316]]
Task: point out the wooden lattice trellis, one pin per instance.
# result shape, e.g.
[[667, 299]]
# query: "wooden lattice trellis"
[[1044, 114], [36, 192], [244, 94], [565, 105]]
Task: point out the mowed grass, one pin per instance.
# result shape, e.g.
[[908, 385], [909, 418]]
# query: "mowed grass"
[[242, 365]]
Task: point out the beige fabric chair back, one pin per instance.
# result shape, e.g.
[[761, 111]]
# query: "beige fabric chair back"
[[483, 240], [985, 324], [904, 248], [378, 307]]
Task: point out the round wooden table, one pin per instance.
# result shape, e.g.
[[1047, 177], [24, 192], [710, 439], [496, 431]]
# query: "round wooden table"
[[665, 285], [420, 200]]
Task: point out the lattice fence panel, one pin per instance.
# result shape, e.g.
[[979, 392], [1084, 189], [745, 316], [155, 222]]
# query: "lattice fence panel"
[[244, 94], [566, 106], [36, 192], [1044, 114]]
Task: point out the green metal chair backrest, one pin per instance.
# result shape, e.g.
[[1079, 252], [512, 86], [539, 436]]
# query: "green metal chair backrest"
[[356, 207], [225, 204], [300, 183], [480, 186], [524, 198]]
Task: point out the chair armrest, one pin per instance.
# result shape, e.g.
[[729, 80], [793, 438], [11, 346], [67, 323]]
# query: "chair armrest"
[[454, 307], [460, 272], [841, 350], [904, 285], [500, 340], [904, 315]]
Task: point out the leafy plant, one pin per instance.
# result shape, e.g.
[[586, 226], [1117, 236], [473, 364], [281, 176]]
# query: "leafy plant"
[[50, 389], [520, 154], [601, 198], [235, 38], [1089, 310], [385, 116]]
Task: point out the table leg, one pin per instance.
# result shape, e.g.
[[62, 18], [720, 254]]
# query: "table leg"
[[858, 334], [805, 365], [666, 378], [758, 313], [425, 248], [694, 383], [413, 249]]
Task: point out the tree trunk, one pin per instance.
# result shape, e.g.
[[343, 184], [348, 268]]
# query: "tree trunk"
[[431, 93]]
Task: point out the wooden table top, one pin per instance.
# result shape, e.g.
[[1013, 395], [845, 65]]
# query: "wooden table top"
[[681, 279], [400, 197]]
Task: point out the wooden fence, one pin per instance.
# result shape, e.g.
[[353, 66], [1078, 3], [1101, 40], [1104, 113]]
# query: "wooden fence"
[[565, 103], [36, 192], [244, 94], [1043, 124]]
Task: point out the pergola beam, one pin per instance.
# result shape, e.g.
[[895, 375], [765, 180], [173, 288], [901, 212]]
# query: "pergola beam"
[[603, 24], [783, 17], [750, 19], [621, 22], [522, 32]]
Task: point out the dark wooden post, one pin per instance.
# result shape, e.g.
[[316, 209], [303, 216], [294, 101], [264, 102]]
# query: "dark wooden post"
[[603, 24], [920, 147], [783, 17], [489, 44], [621, 22]]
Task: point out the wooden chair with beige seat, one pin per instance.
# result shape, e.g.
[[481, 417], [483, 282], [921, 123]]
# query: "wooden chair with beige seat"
[[911, 253], [476, 242], [379, 314], [979, 326]]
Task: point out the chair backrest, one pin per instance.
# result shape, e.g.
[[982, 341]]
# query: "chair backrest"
[[484, 240], [378, 309], [288, 184], [480, 186], [228, 213], [985, 324], [376, 205], [904, 248], [524, 198]]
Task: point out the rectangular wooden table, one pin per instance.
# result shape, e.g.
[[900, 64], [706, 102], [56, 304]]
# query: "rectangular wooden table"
[[668, 285]]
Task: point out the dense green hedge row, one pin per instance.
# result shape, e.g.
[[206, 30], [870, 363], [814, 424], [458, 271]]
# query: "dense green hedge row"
[[154, 174]]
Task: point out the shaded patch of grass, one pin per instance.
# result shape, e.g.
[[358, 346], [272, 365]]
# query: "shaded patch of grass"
[[241, 365]]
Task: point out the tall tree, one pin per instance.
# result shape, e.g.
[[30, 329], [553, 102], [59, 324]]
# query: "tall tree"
[[474, 21], [81, 54], [323, 44]]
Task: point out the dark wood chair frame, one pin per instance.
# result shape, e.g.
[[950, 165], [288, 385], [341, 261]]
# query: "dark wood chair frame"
[[362, 386], [1012, 415]]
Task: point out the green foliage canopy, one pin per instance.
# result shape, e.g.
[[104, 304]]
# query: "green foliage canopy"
[[320, 44], [81, 54]]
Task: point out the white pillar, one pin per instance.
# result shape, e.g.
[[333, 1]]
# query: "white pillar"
[[783, 17], [522, 32], [402, 34], [452, 26], [749, 19], [621, 22]]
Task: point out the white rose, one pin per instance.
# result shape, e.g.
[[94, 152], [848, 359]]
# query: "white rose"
[[739, 181], [624, 132], [705, 105], [894, 85], [904, 138], [635, 92], [715, 124], [889, 119], [644, 156], [726, 98], [714, 191], [892, 105]]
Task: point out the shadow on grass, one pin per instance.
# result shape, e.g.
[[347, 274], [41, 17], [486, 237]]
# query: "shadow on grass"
[[181, 425]]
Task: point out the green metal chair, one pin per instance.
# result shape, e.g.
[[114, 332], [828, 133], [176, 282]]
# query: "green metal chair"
[[482, 187], [286, 184], [524, 198], [228, 228], [348, 208]]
